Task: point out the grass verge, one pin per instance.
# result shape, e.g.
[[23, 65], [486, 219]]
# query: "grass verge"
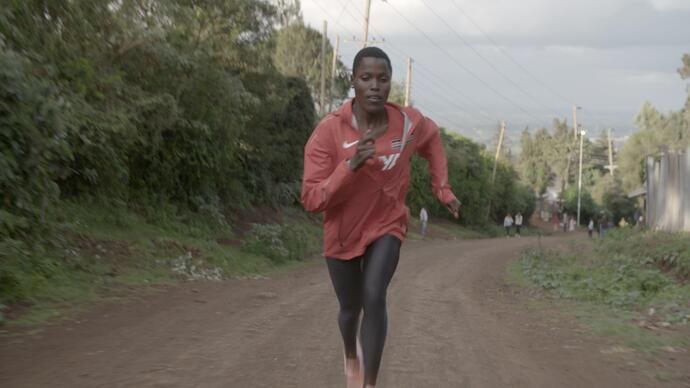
[[448, 229], [103, 253], [632, 286]]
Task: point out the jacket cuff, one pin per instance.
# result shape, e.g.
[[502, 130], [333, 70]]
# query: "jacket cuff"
[[445, 196]]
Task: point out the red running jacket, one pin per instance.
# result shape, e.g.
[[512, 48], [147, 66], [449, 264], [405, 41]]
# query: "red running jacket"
[[361, 206]]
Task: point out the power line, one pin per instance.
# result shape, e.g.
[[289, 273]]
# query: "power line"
[[434, 115], [429, 75], [452, 101], [426, 74], [437, 81], [340, 14], [437, 90], [543, 84], [443, 99], [452, 58], [496, 69], [449, 101], [336, 21], [404, 54]]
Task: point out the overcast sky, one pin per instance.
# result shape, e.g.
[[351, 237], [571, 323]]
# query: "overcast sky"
[[607, 56]]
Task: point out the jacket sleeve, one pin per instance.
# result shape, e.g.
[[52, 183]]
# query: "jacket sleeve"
[[430, 148], [325, 181]]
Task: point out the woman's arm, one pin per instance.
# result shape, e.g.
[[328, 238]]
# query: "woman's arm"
[[431, 149], [325, 180]]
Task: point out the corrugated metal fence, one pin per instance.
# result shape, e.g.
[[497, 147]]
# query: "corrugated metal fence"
[[668, 192]]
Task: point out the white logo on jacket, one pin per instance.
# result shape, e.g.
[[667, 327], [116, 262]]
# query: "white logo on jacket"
[[347, 145], [389, 161]]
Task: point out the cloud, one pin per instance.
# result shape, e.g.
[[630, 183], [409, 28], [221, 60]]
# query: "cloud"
[[593, 23], [651, 77], [670, 5], [608, 56]]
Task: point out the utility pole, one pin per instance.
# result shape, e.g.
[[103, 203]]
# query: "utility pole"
[[611, 166], [498, 154], [571, 149], [367, 9], [408, 83], [365, 41], [575, 130], [322, 96], [498, 151], [334, 65], [579, 180]]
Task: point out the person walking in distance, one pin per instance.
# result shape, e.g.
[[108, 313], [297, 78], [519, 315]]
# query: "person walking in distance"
[[357, 172], [518, 224], [423, 219], [590, 227], [566, 221], [508, 223], [603, 224]]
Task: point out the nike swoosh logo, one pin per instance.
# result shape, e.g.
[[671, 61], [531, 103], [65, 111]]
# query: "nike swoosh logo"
[[347, 145]]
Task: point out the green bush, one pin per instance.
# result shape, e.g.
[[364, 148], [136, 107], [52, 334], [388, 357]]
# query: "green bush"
[[628, 270], [669, 252], [469, 174], [615, 281], [14, 260], [157, 115], [278, 242], [296, 240], [266, 240], [11, 289], [588, 208], [33, 149]]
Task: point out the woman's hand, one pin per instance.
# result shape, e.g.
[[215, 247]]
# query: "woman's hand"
[[366, 149], [454, 207]]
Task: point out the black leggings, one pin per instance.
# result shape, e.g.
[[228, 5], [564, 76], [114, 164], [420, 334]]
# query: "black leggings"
[[362, 283]]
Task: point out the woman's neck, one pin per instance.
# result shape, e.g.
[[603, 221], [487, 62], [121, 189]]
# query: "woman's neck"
[[366, 120]]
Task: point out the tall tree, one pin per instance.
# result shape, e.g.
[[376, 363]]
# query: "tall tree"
[[684, 71], [289, 12], [598, 153], [532, 164], [297, 53], [559, 152], [657, 132]]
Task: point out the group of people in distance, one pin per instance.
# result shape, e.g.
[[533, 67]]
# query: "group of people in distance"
[[567, 222], [509, 221]]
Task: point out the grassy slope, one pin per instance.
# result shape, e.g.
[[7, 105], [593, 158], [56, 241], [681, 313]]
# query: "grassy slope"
[[101, 253], [104, 253], [625, 286]]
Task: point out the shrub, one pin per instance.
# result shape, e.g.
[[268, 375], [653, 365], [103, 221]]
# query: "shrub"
[[278, 242], [628, 270]]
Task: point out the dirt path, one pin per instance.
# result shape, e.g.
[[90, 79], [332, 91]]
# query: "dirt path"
[[453, 322]]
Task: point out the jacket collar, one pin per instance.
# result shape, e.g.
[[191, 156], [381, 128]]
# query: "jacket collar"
[[412, 115]]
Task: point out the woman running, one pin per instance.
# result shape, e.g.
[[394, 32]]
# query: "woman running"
[[357, 171]]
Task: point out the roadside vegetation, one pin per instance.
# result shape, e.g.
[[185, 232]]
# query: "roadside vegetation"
[[549, 158], [141, 142], [633, 285], [101, 253]]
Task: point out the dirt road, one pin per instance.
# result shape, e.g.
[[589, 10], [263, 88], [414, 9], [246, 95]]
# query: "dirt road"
[[453, 322]]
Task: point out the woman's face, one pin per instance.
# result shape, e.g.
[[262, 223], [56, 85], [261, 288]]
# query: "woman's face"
[[372, 83]]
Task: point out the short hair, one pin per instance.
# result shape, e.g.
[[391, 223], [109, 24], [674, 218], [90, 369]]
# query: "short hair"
[[371, 52]]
